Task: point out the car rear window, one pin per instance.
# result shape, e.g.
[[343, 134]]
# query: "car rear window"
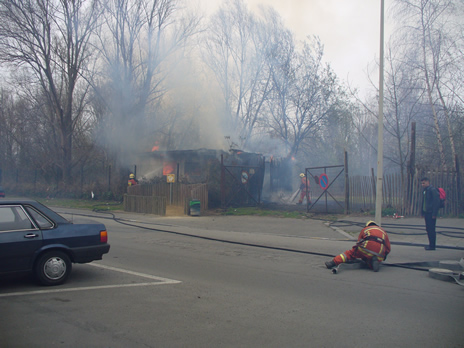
[[14, 218], [39, 218]]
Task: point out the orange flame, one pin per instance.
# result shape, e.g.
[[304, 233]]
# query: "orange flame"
[[168, 168]]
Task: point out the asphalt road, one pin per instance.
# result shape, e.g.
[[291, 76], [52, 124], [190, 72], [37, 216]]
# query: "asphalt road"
[[232, 282]]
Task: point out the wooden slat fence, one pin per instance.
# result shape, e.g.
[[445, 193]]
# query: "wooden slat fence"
[[448, 180], [362, 193], [404, 198], [177, 194], [145, 204]]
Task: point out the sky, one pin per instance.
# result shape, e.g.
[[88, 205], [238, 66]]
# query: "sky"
[[349, 30]]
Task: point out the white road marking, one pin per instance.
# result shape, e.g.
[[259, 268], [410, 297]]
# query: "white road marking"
[[339, 230], [160, 281], [165, 280]]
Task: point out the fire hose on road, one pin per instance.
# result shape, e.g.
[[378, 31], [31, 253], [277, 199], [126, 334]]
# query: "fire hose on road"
[[437, 273]]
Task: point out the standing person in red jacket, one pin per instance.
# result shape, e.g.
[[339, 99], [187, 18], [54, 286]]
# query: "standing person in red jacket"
[[373, 246], [304, 189]]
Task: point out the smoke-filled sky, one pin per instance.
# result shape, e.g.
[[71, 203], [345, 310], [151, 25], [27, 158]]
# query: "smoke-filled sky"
[[349, 30]]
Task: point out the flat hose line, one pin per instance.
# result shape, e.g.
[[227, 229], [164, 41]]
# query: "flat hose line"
[[121, 221], [396, 226]]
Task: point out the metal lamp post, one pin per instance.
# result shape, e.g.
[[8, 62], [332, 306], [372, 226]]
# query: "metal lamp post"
[[378, 200]]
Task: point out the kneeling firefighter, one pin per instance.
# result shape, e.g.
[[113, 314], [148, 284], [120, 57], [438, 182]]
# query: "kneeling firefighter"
[[373, 246]]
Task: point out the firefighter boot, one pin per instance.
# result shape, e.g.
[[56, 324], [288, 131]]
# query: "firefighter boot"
[[330, 264], [375, 264]]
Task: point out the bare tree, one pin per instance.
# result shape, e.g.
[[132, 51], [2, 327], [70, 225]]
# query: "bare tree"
[[401, 106], [269, 84], [235, 50], [9, 131], [429, 29], [138, 43], [305, 92], [282, 61], [50, 39]]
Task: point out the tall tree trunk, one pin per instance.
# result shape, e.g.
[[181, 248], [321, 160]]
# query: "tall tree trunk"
[[430, 86], [448, 123]]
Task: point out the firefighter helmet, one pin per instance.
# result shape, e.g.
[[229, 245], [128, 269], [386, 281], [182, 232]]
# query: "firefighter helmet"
[[131, 176], [371, 222], [302, 175]]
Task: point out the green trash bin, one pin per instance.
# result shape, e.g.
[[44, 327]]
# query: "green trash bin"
[[195, 207]]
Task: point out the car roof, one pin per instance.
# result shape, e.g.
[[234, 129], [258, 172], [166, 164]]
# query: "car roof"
[[16, 201], [50, 213], [20, 201]]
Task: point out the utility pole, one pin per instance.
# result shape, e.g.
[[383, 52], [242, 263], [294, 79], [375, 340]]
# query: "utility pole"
[[378, 201]]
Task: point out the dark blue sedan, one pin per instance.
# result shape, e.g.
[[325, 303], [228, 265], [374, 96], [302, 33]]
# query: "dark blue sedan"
[[35, 238]]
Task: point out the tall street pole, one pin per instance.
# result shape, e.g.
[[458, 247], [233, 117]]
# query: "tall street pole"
[[378, 200]]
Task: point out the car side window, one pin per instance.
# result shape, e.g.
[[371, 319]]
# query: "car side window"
[[14, 218], [41, 220]]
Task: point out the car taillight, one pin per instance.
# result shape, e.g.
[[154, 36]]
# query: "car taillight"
[[103, 236]]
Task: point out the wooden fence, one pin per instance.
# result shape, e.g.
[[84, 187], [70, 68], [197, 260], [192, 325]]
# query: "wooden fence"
[[405, 197], [448, 180], [176, 194], [145, 204], [362, 193]]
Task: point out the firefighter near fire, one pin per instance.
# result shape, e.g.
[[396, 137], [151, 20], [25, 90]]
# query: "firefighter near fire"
[[372, 247], [132, 180], [304, 189]]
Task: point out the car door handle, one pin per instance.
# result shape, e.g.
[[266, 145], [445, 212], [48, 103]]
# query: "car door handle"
[[31, 235]]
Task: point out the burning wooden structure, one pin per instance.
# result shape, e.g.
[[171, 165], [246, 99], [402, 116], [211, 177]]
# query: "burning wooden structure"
[[232, 178], [188, 166]]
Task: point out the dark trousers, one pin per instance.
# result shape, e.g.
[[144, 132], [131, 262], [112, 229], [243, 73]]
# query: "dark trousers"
[[430, 224]]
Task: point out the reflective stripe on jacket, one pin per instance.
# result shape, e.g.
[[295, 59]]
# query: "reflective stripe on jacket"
[[373, 241]]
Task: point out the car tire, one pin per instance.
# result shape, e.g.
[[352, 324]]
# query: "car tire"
[[53, 268]]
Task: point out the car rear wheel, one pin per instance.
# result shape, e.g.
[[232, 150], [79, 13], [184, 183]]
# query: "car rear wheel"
[[53, 268]]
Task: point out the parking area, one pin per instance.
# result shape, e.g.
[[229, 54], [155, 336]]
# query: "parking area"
[[232, 281], [85, 277]]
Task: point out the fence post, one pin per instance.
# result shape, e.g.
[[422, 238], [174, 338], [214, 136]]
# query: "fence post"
[[374, 191], [109, 178], [458, 184], [347, 185], [82, 179], [223, 178]]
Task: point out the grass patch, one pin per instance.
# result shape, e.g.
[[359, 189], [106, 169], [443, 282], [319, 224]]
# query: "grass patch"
[[81, 204], [256, 211]]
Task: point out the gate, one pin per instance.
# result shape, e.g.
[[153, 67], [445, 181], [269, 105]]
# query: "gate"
[[242, 177], [329, 181]]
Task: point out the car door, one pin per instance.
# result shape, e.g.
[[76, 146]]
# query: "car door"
[[19, 239]]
